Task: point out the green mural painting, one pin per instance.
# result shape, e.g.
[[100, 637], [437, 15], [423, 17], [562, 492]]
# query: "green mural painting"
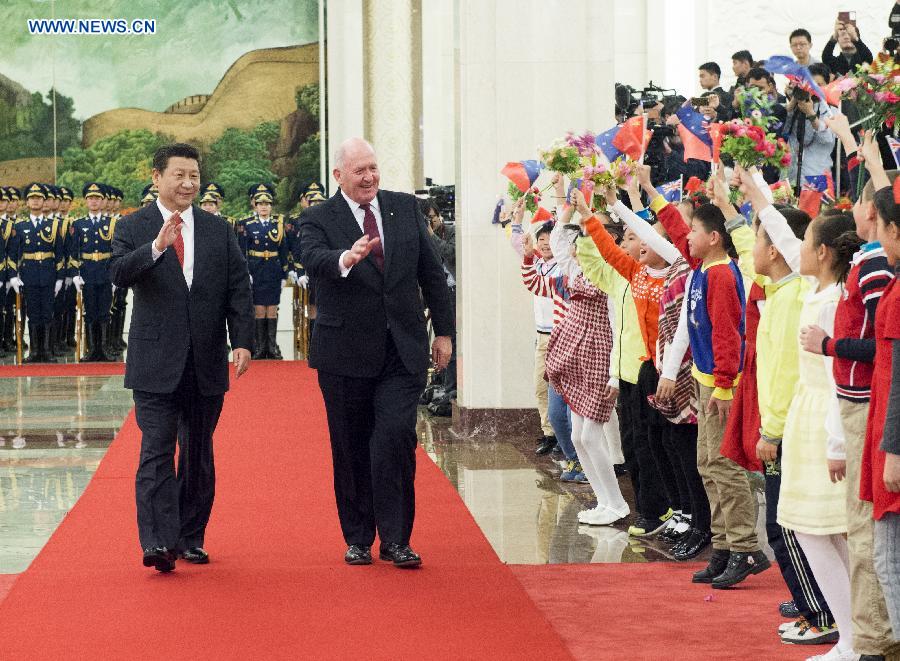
[[237, 78]]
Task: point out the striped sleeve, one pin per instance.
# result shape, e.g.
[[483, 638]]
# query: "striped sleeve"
[[874, 276]]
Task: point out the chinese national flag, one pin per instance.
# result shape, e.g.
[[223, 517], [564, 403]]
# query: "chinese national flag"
[[631, 138]]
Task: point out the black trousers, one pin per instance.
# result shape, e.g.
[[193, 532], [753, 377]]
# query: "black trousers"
[[790, 557], [39, 303], [372, 423], [97, 300], [173, 509], [680, 443], [650, 495]]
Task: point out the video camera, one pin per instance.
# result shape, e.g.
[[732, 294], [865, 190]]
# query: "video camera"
[[443, 196], [629, 98]]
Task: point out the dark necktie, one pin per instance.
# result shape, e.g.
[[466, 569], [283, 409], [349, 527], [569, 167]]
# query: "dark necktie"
[[370, 227], [178, 246]]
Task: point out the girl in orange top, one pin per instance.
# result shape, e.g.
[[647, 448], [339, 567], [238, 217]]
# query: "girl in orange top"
[[658, 487]]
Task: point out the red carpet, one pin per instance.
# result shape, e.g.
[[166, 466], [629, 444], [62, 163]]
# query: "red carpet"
[[277, 587], [63, 369], [653, 611]]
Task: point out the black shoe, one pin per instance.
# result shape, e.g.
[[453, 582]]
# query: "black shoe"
[[545, 444], [195, 555], [872, 657], [718, 561], [159, 557], [557, 452], [693, 546], [357, 554], [619, 470], [740, 566], [789, 610], [400, 555]]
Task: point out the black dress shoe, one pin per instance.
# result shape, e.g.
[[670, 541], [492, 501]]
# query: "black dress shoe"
[[357, 554], [788, 609], [400, 555], [159, 557], [718, 561], [195, 555], [740, 566], [693, 546]]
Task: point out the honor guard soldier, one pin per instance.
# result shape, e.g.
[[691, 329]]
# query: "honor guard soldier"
[[212, 195], [149, 195], [52, 211], [5, 233], [38, 269], [311, 196], [264, 245], [116, 324], [8, 296], [90, 241], [70, 293]]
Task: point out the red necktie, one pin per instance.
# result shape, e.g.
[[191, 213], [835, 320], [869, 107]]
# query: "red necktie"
[[370, 227], [178, 246]]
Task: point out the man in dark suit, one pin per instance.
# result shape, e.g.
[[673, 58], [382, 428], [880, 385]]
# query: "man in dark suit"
[[190, 282], [369, 255]]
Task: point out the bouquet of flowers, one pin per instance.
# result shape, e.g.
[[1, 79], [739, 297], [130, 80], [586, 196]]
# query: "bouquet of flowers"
[[756, 106], [749, 144], [532, 196], [875, 88], [561, 157]]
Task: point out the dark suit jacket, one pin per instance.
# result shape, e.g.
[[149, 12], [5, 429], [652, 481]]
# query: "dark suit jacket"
[[167, 318], [353, 314]]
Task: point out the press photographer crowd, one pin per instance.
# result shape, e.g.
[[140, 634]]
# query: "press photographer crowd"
[[714, 294]]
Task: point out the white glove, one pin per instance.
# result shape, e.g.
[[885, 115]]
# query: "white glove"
[[282, 283], [251, 280], [292, 276], [114, 289], [59, 284], [303, 281], [16, 283], [8, 285], [68, 282], [78, 281]]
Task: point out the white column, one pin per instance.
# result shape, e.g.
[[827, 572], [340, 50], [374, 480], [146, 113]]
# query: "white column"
[[344, 84], [630, 38], [527, 72], [392, 73]]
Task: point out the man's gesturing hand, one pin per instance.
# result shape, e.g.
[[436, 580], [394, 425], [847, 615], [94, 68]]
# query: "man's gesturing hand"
[[441, 349], [241, 362], [359, 251], [168, 232]]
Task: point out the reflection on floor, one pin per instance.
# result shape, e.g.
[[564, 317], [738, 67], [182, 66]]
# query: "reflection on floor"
[[53, 434], [527, 514]]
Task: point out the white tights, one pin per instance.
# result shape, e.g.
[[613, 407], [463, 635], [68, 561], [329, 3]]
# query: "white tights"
[[592, 446], [829, 559]]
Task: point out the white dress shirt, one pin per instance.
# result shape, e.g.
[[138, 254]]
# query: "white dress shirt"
[[360, 215], [187, 235]]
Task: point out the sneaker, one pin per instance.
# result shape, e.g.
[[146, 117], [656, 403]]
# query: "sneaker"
[[718, 561], [604, 517], [788, 609], [740, 565], [568, 475], [793, 624], [643, 527], [807, 634], [545, 444], [835, 655], [580, 477]]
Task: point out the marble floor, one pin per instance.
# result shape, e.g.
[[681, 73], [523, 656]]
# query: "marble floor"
[[527, 514], [53, 433]]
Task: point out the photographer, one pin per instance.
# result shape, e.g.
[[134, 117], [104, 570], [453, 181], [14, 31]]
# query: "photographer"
[[674, 165], [812, 142], [853, 51], [718, 101]]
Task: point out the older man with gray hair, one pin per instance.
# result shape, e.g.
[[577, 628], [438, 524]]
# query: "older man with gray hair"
[[375, 270]]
